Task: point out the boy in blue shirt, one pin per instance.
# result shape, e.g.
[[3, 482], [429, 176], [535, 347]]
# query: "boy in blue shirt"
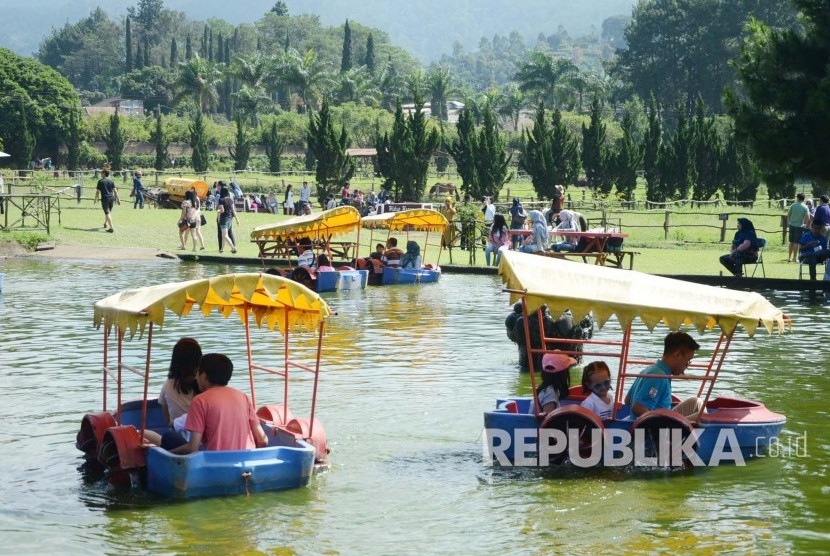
[[813, 248], [647, 394]]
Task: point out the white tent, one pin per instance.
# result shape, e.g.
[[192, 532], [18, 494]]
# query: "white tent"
[[2, 154]]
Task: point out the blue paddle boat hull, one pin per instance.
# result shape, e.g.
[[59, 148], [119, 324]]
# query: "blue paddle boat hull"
[[731, 430], [342, 280], [409, 276]]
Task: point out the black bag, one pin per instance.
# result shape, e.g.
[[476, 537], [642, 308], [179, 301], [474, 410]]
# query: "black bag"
[[203, 219]]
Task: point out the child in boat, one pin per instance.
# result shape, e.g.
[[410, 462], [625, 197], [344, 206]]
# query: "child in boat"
[[392, 255], [596, 379], [556, 380], [323, 264], [379, 250], [221, 417], [412, 257], [180, 387]]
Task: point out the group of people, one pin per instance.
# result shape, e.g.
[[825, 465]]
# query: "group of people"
[[201, 411], [303, 204], [542, 226], [809, 232], [646, 393]]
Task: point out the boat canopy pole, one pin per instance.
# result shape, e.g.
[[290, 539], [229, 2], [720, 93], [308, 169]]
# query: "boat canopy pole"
[[618, 394], [146, 380], [285, 371], [248, 353], [106, 369], [528, 347], [120, 352], [718, 368], [316, 378]]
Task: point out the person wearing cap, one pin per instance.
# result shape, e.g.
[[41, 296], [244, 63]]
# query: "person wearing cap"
[[138, 191], [556, 381], [647, 394]]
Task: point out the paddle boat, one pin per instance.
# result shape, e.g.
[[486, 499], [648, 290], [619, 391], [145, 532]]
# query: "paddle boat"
[[280, 240], [728, 429], [412, 220], [112, 440]]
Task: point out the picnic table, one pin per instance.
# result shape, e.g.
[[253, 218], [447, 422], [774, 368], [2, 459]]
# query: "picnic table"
[[596, 247]]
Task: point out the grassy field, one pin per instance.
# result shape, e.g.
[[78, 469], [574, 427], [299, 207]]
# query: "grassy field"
[[690, 246]]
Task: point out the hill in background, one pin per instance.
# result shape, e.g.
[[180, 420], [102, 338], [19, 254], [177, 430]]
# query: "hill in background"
[[426, 28]]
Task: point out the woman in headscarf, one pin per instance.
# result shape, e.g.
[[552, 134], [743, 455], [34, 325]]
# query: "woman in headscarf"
[[567, 223], [449, 211], [744, 248], [517, 219], [537, 241], [412, 257]]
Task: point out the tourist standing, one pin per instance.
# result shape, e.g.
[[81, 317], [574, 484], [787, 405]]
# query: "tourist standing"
[[305, 199], [109, 196], [288, 205], [797, 219], [138, 191]]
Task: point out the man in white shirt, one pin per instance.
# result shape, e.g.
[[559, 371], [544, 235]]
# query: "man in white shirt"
[[305, 199]]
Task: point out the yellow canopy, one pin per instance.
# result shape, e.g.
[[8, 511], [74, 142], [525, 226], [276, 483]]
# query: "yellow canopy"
[[319, 226], [628, 294], [268, 298], [421, 220]]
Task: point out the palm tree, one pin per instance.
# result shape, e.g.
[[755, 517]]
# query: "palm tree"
[[198, 80], [440, 87], [391, 85], [250, 70], [303, 73], [512, 104], [249, 101], [546, 75], [356, 85]]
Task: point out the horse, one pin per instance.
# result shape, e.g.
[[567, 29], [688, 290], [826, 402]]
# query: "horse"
[[442, 189]]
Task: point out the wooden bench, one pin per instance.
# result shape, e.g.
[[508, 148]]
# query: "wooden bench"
[[599, 258], [617, 258]]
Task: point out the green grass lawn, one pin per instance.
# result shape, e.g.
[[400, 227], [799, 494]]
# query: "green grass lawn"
[[691, 245]]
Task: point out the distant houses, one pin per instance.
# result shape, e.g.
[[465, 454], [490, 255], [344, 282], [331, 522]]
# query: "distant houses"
[[124, 107]]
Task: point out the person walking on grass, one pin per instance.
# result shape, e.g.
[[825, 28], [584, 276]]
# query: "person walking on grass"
[[226, 215], [138, 191], [108, 193]]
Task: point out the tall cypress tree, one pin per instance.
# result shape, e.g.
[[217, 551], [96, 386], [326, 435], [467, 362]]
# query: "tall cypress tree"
[[174, 52], [146, 60], [138, 63], [210, 46], [128, 59], [199, 144], [160, 141], [73, 141], [241, 151], [369, 61], [628, 158], [651, 152], [550, 153], [203, 51], [334, 166], [346, 61], [220, 49], [491, 157], [707, 153], [682, 142], [21, 144], [594, 151], [274, 146], [188, 49], [115, 142], [463, 150]]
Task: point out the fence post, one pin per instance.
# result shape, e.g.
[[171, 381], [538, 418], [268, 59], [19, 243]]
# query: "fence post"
[[666, 224], [784, 228], [723, 230]]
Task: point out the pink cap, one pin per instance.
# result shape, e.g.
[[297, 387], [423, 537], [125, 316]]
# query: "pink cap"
[[556, 361]]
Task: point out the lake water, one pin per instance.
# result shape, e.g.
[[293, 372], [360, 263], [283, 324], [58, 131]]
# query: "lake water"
[[408, 372]]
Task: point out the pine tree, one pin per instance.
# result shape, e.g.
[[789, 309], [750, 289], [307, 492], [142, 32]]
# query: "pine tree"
[[138, 63], [463, 151], [491, 157], [188, 49], [627, 159], [682, 142], [199, 144], [651, 152], [146, 60], [274, 146], [73, 141], [220, 49], [549, 154], [241, 151], [346, 61], [369, 61], [739, 174], [594, 150], [116, 139], [204, 50], [174, 52], [334, 166], [280, 8], [707, 153], [128, 59], [160, 141], [21, 143]]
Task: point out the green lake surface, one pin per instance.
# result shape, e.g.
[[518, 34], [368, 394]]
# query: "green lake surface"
[[407, 374]]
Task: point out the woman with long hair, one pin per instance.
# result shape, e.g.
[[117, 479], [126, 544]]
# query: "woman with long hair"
[[498, 240]]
